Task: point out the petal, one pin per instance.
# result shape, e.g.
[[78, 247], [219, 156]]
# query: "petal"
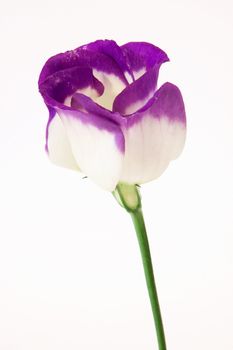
[[112, 87], [58, 146], [60, 86], [143, 56], [97, 145], [104, 68], [137, 94], [80, 57], [108, 72], [154, 136], [86, 104], [112, 50]]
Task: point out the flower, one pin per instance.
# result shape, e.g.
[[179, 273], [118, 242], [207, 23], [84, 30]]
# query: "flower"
[[107, 118]]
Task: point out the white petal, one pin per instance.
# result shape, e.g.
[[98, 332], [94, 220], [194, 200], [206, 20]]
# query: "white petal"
[[150, 144], [59, 148], [112, 87], [95, 150]]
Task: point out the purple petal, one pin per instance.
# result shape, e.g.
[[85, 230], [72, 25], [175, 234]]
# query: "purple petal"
[[167, 102], [137, 94], [103, 66], [112, 50], [58, 86], [154, 136], [81, 57], [143, 56]]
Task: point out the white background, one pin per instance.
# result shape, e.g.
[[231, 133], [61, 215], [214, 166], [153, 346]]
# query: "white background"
[[70, 269]]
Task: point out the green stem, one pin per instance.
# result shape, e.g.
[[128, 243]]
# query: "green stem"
[[128, 197], [140, 228]]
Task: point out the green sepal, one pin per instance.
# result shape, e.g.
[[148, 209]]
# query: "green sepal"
[[128, 196]]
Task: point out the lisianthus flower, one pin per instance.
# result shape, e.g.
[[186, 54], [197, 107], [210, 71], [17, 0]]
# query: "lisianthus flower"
[[107, 118]]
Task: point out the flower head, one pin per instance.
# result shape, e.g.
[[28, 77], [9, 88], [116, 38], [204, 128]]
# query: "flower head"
[[107, 118]]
